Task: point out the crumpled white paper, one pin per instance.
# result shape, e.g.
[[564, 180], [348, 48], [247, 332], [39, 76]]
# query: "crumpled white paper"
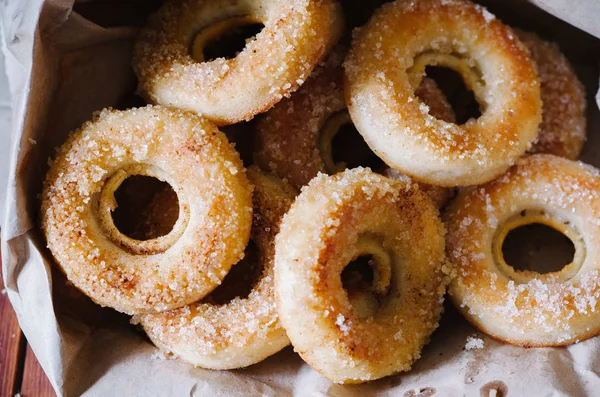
[[69, 67]]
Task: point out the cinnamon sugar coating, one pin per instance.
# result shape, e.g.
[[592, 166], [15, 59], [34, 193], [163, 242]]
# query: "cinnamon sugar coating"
[[244, 330], [563, 128], [167, 272], [386, 62], [287, 141], [527, 308], [324, 230], [296, 36]]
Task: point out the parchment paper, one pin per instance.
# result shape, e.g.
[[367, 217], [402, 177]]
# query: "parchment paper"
[[68, 67]]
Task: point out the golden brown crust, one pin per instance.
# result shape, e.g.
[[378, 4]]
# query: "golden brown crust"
[[244, 330], [320, 235], [172, 270], [524, 307], [286, 136], [295, 38], [380, 73], [286, 141], [563, 128]]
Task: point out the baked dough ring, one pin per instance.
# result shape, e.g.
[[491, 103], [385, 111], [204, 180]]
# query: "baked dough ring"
[[296, 36], [333, 221], [563, 128], [294, 139], [527, 308], [215, 209], [386, 62], [242, 331]]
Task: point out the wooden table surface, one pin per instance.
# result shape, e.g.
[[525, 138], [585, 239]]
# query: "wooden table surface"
[[20, 371]]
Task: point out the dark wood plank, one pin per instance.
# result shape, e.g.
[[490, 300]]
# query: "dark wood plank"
[[35, 383], [11, 352]]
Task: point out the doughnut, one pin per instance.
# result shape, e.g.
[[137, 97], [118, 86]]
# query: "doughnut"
[[524, 307], [563, 128], [335, 220], [167, 272], [386, 62], [245, 330], [287, 136], [294, 139], [169, 62]]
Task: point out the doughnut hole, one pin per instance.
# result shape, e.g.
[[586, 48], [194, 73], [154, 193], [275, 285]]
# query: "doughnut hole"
[[367, 279], [537, 244], [240, 280], [342, 146], [225, 39], [462, 99], [147, 208], [537, 247]]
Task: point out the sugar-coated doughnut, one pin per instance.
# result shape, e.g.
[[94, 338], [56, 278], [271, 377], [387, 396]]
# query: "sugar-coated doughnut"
[[335, 220], [294, 139], [524, 307], [563, 128], [387, 61], [244, 330], [296, 36], [215, 209]]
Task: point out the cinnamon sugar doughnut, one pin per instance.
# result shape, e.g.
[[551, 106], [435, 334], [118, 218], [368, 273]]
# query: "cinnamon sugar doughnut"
[[294, 139], [387, 61], [522, 307], [244, 330], [287, 137], [296, 36], [563, 128], [333, 221], [215, 209]]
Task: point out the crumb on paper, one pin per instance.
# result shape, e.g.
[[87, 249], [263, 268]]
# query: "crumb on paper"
[[162, 355], [473, 343], [420, 392], [158, 355], [32, 141]]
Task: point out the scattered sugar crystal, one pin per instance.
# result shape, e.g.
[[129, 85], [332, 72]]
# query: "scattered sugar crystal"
[[488, 16], [158, 355], [473, 343], [341, 322]]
